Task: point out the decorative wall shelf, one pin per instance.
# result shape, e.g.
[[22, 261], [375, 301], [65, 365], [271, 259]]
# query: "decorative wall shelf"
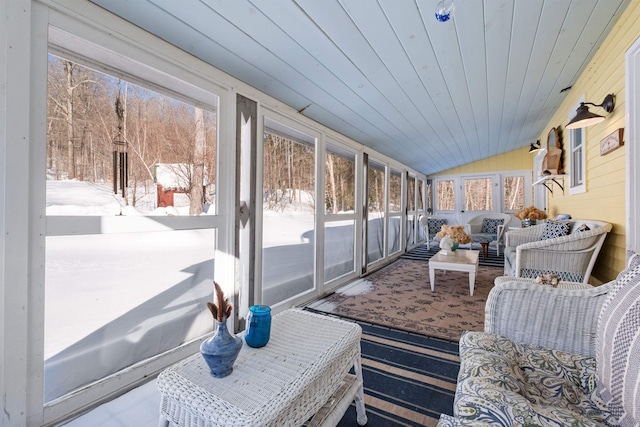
[[549, 180]]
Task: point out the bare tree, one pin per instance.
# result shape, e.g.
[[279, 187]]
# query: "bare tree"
[[82, 129], [195, 206]]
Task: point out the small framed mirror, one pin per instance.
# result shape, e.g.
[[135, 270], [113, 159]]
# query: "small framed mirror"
[[551, 161], [553, 141]]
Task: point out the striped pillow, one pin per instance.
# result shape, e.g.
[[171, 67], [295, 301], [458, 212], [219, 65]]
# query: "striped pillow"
[[618, 347]]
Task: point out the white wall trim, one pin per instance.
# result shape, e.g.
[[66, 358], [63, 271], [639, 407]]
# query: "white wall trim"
[[632, 88], [16, 204]]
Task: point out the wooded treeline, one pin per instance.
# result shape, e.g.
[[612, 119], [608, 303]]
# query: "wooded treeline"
[[288, 172], [93, 117], [478, 194], [83, 130]]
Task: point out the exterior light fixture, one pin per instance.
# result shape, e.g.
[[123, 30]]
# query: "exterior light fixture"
[[535, 146], [585, 118], [444, 10]]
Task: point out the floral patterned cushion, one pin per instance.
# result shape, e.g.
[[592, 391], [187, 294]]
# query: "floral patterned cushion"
[[506, 383]]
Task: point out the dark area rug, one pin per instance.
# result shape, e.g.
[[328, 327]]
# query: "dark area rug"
[[421, 253], [409, 379], [399, 296]]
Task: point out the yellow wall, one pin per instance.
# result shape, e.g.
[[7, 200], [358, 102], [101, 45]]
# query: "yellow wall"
[[605, 175], [513, 160]]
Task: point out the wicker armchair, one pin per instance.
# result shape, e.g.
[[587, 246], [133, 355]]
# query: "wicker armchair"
[[570, 257], [479, 229], [431, 225], [553, 356], [560, 315]]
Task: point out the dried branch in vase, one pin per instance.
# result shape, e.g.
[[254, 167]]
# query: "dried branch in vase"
[[222, 310]]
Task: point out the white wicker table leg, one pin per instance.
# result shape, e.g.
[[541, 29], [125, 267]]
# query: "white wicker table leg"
[[359, 400], [163, 422]]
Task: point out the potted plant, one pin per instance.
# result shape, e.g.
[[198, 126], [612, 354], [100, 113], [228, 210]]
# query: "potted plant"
[[451, 237], [530, 215]]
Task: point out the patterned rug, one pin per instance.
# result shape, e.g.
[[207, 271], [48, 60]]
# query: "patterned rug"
[[399, 296]]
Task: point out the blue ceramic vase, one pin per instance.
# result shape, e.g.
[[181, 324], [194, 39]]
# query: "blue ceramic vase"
[[221, 351]]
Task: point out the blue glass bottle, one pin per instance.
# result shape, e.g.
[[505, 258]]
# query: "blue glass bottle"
[[258, 326]]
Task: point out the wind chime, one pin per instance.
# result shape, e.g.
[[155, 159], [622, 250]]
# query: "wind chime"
[[120, 154], [444, 10]]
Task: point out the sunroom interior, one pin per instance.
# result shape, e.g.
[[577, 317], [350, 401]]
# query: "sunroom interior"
[[322, 133]]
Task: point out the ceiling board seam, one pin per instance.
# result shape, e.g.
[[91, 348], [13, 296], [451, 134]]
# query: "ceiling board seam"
[[462, 152], [340, 2]]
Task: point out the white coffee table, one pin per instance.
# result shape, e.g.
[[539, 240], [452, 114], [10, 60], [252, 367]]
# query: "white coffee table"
[[460, 260], [302, 371]]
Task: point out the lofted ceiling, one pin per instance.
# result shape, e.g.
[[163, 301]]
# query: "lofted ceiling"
[[432, 95]]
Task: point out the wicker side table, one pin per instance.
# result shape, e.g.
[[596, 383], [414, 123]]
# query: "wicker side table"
[[303, 369]]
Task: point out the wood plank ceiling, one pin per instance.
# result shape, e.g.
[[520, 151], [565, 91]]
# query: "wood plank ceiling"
[[433, 95]]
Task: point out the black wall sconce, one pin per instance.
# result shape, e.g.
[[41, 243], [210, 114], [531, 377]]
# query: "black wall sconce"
[[535, 146], [585, 118]]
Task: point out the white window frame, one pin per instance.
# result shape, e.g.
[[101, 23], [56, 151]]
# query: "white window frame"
[[265, 113], [185, 79], [328, 218], [527, 193], [389, 214], [581, 185], [632, 93], [456, 195], [458, 214], [496, 195]]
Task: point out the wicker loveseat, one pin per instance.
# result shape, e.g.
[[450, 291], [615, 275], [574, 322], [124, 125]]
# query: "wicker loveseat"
[[488, 227], [566, 356], [571, 256]]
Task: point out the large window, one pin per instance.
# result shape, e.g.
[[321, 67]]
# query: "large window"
[[478, 194], [445, 195], [412, 213], [131, 155], [395, 211], [513, 193], [340, 220], [507, 192], [422, 207], [375, 211], [288, 230]]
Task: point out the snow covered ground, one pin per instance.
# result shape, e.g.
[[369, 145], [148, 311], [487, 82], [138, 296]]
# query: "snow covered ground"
[[112, 300]]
